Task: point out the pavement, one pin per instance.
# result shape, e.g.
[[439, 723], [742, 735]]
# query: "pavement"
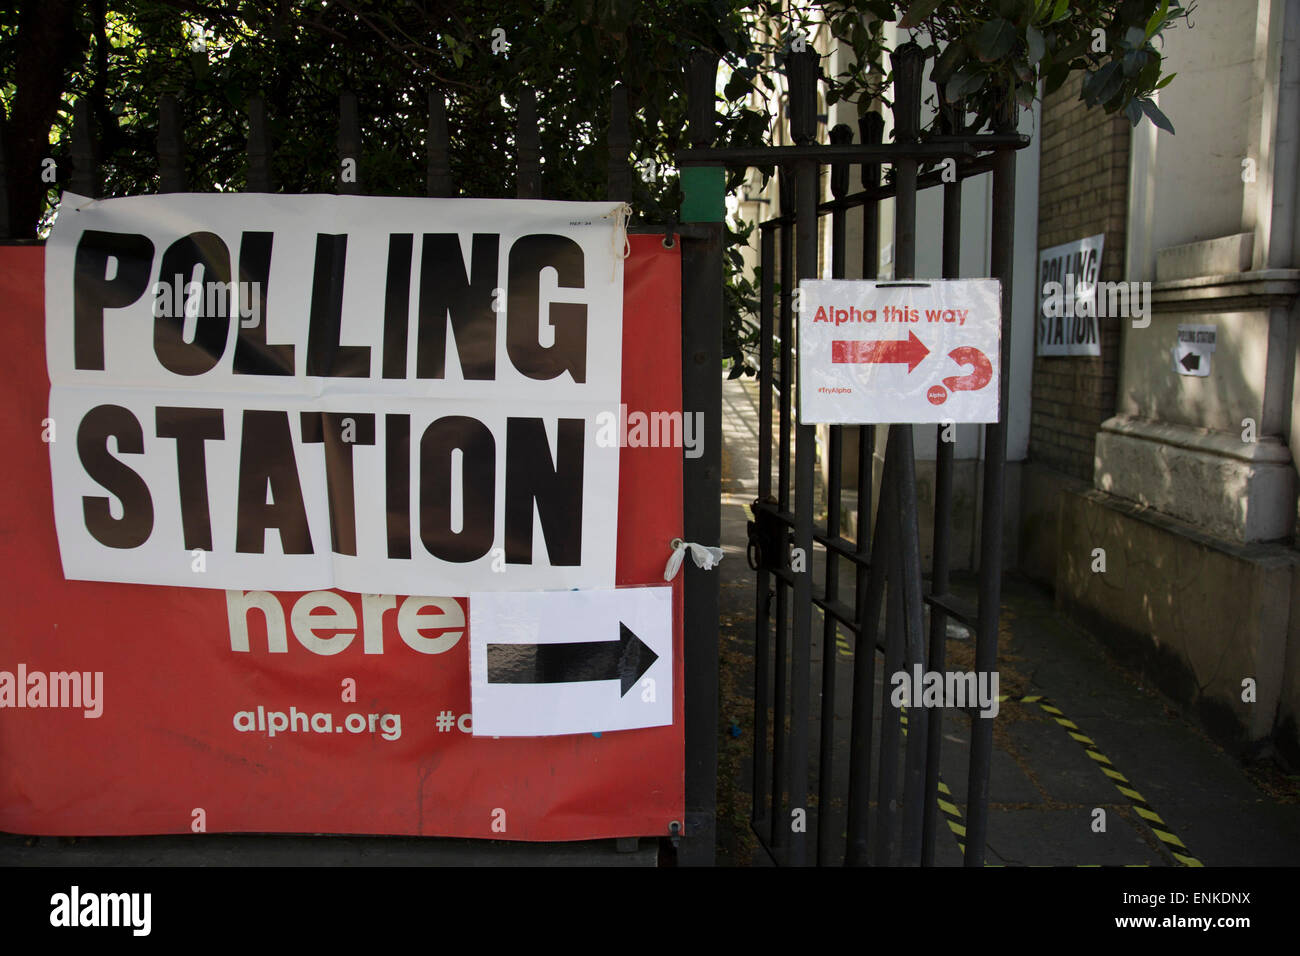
[[1148, 788]]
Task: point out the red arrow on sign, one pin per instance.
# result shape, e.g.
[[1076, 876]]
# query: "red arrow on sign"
[[911, 351], [973, 381]]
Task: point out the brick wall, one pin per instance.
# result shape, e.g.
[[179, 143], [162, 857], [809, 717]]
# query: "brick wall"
[[1082, 191]]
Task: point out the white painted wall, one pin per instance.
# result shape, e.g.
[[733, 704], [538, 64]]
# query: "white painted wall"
[[1198, 189]]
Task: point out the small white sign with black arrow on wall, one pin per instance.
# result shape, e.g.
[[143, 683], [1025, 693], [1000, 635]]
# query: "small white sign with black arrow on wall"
[[1195, 347]]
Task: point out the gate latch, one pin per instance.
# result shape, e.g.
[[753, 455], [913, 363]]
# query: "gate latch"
[[769, 539]]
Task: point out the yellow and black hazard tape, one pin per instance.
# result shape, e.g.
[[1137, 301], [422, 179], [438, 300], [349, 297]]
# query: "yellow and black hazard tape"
[[947, 806], [1121, 782], [952, 816]]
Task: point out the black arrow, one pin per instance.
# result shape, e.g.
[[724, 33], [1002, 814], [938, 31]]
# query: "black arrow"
[[624, 660], [1190, 361]]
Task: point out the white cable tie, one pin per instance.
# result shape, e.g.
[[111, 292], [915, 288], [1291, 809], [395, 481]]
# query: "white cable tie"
[[703, 556]]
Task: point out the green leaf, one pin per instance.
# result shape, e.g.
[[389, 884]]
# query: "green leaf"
[[965, 81], [737, 87], [1165, 82], [1150, 75], [1101, 85], [953, 56], [1055, 78], [883, 9], [1134, 112], [1154, 114], [1157, 20], [1134, 60], [1074, 48], [917, 13], [995, 39], [1037, 45]]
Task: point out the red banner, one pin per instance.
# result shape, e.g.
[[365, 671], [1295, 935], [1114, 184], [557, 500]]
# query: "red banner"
[[130, 709]]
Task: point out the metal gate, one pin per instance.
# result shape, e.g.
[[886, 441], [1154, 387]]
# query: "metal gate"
[[883, 826]]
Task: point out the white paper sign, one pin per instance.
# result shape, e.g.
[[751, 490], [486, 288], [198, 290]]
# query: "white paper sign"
[[303, 392], [908, 351], [1192, 354], [1067, 303], [569, 662]]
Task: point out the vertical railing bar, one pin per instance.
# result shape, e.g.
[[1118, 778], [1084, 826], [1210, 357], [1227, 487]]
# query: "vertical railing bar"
[[909, 563], [84, 180], [780, 826], [871, 128], [259, 178], [995, 453], [6, 225], [940, 567], [787, 345], [826, 750], [763, 596], [618, 172], [870, 599], [907, 62], [349, 145], [826, 840], [171, 146], [890, 717], [862, 719], [767, 290], [702, 257], [803, 70], [437, 143], [528, 143]]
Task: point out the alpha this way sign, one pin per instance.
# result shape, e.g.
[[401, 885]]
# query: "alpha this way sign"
[[306, 392], [885, 352]]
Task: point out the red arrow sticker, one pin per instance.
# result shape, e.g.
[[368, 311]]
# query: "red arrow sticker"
[[975, 380], [911, 351]]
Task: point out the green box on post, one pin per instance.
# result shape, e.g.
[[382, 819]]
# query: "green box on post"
[[703, 193]]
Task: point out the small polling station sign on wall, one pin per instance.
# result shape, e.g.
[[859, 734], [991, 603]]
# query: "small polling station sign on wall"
[[914, 351], [1194, 349], [318, 526]]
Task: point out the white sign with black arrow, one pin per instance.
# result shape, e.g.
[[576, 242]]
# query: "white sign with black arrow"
[[570, 662], [1192, 354]]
